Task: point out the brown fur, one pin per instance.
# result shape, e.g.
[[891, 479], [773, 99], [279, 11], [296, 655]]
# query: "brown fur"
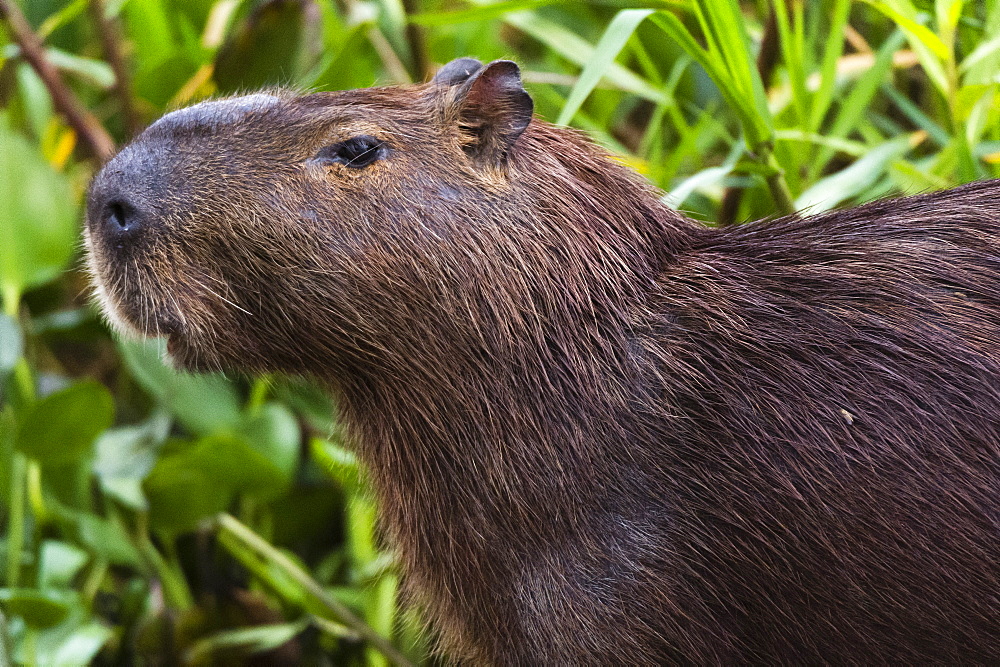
[[599, 432]]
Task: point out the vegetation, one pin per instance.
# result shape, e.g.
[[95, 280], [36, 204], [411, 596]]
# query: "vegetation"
[[151, 516]]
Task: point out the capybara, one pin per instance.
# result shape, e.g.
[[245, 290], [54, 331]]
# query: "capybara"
[[599, 432]]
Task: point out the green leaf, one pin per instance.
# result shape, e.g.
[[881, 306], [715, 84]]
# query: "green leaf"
[[309, 401], [711, 176], [947, 13], [202, 403], [255, 639], [201, 478], [59, 563], [79, 647], [981, 65], [855, 148], [908, 18], [274, 433], [74, 641], [608, 47], [916, 115], [162, 58], [68, 485], [233, 462], [911, 179], [95, 72], [793, 55], [37, 217], [107, 540], [483, 13], [335, 67], [11, 344], [751, 111], [276, 45], [725, 25], [847, 183], [853, 108], [35, 98], [985, 51], [61, 428], [970, 96], [151, 19], [930, 50], [181, 494], [339, 462], [831, 53], [124, 456], [38, 608], [578, 50], [66, 15]]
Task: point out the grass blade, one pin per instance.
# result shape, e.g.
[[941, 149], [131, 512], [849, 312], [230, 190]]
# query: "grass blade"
[[608, 47], [709, 61], [930, 49], [831, 53], [482, 13], [853, 108], [578, 50], [850, 182]]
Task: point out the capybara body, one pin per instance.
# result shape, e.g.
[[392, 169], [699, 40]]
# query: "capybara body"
[[599, 433]]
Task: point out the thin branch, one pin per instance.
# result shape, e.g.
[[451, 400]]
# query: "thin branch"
[[110, 33], [418, 43], [393, 65], [87, 127]]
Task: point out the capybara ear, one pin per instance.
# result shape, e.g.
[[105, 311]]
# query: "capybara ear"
[[493, 110], [457, 71]]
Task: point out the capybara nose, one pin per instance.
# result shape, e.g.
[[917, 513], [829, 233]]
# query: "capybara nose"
[[122, 220]]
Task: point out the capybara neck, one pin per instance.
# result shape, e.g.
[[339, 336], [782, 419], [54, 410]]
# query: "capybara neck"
[[506, 372]]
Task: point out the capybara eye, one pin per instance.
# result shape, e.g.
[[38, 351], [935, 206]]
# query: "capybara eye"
[[356, 152]]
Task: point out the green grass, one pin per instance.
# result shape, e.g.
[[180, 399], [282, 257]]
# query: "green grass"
[[148, 515]]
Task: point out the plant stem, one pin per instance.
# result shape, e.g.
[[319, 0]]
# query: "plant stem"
[[767, 60], [5, 645], [24, 382], [30, 646], [258, 394], [92, 583], [19, 464], [418, 44], [11, 301], [229, 525], [776, 183], [381, 611], [175, 589], [15, 525], [35, 496]]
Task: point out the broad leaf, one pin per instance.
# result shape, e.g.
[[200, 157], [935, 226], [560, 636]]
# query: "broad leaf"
[[61, 428], [202, 403], [37, 217], [38, 608]]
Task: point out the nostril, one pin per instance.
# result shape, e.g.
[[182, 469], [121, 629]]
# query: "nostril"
[[121, 218], [116, 215]]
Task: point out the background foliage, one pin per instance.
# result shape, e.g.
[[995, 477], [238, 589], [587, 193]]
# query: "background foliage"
[[163, 518]]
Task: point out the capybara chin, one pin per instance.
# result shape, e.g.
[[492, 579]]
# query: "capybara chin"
[[599, 432]]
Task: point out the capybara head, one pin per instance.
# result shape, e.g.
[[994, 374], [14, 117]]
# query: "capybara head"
[[278, 232]]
